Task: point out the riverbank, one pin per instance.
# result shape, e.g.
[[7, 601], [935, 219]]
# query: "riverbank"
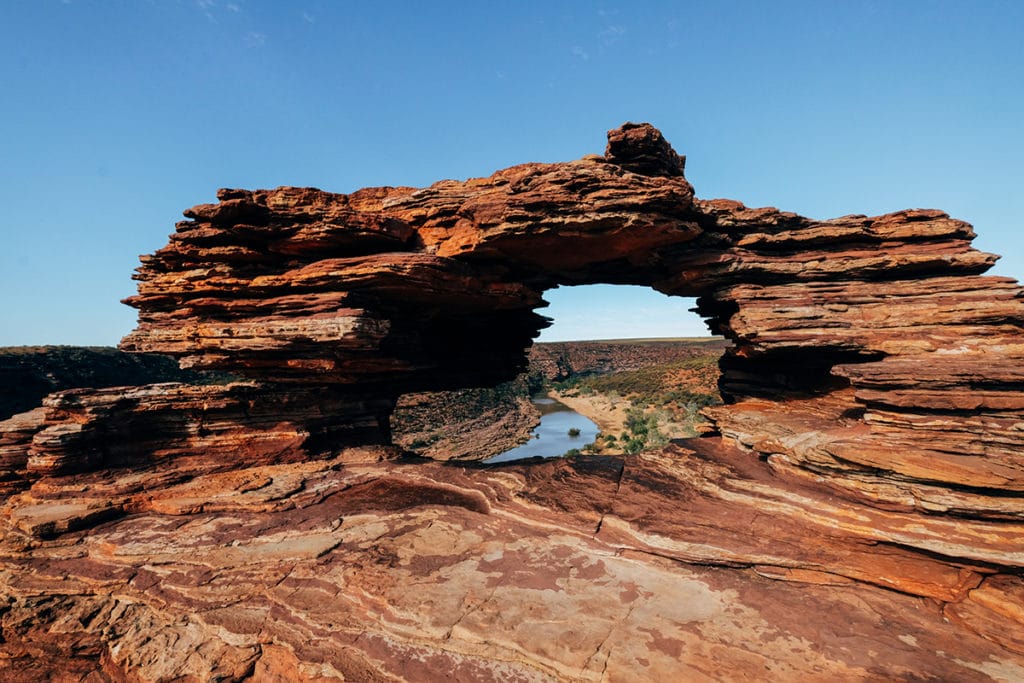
[[608, 413], [561, 431]]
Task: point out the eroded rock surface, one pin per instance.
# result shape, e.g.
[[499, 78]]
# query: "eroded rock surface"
[[856, 513], [691, 564], [558, 361]]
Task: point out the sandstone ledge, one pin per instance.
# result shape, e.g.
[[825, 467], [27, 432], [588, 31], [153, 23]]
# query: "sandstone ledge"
[[686, 564]]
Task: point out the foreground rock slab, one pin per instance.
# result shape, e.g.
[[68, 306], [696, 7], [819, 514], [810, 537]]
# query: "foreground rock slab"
[[682, 565]]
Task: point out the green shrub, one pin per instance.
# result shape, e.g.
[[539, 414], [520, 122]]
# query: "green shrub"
[[536, 383], [634, 445], [643, 431]]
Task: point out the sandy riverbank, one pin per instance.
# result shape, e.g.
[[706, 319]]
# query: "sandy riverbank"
[[608, 413]]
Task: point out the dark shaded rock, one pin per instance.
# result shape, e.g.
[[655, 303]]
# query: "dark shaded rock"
[[28, 373]]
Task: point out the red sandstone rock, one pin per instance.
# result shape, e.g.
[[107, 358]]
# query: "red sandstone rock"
[[692, 563], [872, 386], [216, 426], [559, 360]]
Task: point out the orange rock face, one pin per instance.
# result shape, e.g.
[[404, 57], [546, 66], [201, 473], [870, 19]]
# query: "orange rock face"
[[857, 514]]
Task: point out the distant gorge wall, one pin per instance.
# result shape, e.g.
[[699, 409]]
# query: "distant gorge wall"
[[557, 361], [28, 374], [869, 355]]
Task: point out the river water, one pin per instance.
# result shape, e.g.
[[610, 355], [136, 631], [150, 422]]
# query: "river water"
[[550, 439]]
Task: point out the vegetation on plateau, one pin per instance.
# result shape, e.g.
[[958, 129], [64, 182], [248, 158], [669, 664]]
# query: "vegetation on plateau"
[[663, 400]]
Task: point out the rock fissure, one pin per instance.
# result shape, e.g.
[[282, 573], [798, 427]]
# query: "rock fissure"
[[615, 626]]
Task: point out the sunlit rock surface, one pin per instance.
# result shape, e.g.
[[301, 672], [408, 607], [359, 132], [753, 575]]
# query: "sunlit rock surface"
[[856, 512], [686, 565]]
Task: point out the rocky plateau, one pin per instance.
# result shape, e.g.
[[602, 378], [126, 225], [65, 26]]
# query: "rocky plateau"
[[854, 512]]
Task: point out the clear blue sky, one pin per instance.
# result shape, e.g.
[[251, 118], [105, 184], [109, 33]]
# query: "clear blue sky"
[[116, 116]]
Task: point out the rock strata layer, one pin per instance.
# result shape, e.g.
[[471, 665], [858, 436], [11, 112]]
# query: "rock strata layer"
[[692, 564], [558, 361], [867, 457], [469, 424]]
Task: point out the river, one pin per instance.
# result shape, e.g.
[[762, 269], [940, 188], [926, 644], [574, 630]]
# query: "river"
[[550, 439]]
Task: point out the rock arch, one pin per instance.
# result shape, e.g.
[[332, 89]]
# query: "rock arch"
[[869, 352], [870, 355], [873, 386]]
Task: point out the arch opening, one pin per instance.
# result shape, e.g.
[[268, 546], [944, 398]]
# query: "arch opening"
[[621, 369]]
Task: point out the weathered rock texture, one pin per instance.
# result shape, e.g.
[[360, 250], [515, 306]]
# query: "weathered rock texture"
[[685, 565], [878, 332], [869, 449]]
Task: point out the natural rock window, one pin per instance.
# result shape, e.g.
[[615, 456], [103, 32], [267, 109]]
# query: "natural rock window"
[[865, 467]]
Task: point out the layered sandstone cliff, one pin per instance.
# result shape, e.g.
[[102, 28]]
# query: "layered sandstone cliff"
[[875, 331], [868, 452]]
